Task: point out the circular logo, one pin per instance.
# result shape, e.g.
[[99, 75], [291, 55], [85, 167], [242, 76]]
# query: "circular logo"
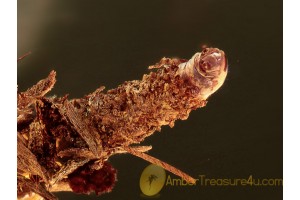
[[152, 180]]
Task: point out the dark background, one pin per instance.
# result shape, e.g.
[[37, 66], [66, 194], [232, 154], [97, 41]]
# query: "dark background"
[[239, 132]]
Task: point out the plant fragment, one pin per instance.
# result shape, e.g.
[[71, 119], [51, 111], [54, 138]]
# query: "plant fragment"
[[64, 145]]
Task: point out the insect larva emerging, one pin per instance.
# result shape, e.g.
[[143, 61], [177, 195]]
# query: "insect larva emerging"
[[67, 143]]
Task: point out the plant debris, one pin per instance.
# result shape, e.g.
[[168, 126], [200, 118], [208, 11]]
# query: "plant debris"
[[64, 145]]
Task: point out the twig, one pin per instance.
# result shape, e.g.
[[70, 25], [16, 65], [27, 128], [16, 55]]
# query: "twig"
[[160, 163], [23, 56]]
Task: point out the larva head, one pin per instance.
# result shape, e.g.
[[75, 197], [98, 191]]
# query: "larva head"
[[211, 70]]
